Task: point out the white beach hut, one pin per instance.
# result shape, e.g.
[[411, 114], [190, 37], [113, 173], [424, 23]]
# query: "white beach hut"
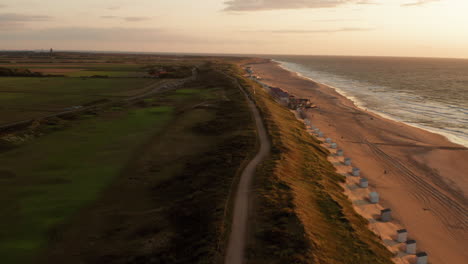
[[374, 197], [402, 235], [421, 258], [333, 145], [340, 153], [347, 161], [363, 183], [320, 134], [356, 172], [328, 140], [386, 215], [411, 247]]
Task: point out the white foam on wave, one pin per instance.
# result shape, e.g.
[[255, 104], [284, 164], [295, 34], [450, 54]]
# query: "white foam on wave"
[[443, 119]]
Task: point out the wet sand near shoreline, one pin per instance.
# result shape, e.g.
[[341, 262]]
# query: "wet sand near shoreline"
[[420, 175]]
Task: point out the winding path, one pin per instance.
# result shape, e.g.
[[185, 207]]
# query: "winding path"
[[237, 239]]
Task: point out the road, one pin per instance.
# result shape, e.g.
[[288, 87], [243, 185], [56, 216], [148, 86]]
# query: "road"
[[237, 239]]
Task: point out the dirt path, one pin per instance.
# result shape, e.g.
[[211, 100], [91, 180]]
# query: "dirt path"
[[237, 239]]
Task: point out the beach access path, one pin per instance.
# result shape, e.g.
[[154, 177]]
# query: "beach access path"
[[237, 239], [420, 175]]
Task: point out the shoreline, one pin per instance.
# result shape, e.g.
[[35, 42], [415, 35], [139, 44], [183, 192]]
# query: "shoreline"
[[425, 186], [452, 138]]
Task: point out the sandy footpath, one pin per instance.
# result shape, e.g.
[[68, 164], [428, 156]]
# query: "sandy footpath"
[[421, 176]]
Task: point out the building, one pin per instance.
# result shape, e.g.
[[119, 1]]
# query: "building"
[[386, 215], [347, 161], [402, 235], [421, 258], [363, 183], [374, 197], [356, 172], [411, 247]]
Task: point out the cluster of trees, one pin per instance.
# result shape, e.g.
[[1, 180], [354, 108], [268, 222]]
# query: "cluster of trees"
[[169, 71]]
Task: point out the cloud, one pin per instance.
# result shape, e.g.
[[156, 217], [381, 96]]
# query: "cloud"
[[419, 3], [258, 5], [113, 8], [135, 19], [87, 34], [314, 31], [128, 19], [13, 21], [13, 17], [80, 37]]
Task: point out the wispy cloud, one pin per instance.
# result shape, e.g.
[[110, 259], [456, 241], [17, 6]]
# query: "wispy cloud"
[[419, 3], [13, 17], [13, 21], [128, 19], [314, 31], [258, 5], [113, 8], [136, 19]]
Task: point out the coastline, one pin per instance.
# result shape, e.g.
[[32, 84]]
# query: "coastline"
[[419, 174], [452, 138]]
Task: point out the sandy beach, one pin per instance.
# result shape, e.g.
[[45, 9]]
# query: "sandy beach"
[[420, 175]]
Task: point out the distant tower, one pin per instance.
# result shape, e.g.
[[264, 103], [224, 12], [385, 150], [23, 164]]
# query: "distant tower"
[[51, 51]]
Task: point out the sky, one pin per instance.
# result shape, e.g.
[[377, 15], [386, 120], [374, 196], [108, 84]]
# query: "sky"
[[416, 28]]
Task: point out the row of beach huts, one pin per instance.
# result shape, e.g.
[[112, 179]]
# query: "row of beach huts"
[[301, 105], [385, 214]]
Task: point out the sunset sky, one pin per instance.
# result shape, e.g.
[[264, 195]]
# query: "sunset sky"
[[429, 28]]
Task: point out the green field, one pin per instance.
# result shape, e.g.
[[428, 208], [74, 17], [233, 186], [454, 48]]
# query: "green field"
[[133, 173], [25, 97], [45, 181]]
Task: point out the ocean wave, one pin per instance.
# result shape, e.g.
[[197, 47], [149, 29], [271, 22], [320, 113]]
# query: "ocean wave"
[[438, 117]]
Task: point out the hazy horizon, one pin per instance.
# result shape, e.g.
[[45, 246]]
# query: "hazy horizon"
[[397, 28]]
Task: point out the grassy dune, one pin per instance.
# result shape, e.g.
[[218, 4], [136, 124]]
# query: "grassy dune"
[[301, 214]]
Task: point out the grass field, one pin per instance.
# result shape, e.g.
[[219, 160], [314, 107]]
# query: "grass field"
[[25, 97], [137, 182], [64, 171], [301, 213]]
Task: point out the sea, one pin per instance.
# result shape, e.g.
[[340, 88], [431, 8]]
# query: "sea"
[[429, 93]]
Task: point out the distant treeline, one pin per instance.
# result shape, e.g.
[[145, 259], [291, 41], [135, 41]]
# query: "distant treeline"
[[169, 71], [23, 73]]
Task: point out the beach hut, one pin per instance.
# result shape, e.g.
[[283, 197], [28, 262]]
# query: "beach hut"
[[421, 258], [340, 152], [374, 197], [356, 172], [320, 134], [402, 235], [363, 183], [347, 161], [411, 247], [316, 130], [307, 122], [328, 140], [386, 215], [333, 145]]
